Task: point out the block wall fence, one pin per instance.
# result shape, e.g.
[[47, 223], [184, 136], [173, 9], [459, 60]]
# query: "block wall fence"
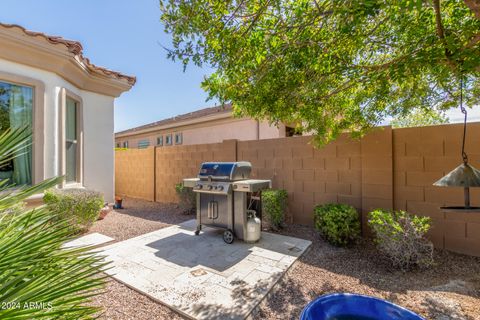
[[388, 168]]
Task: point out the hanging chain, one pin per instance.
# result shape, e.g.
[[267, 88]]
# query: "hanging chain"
[[464, 111]]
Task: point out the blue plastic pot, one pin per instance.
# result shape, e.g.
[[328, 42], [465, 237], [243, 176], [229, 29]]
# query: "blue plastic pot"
[[346, 306]]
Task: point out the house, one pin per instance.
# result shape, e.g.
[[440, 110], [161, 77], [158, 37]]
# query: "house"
[[46, 83], [209, 125]]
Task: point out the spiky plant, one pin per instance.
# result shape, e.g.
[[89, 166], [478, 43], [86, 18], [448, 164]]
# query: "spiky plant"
[[39, 277]]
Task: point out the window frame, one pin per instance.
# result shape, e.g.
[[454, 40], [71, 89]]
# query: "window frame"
[[160, 140], [125, 144], [64, 94], [38, 124], [167, 138], [143, 143], [178, 134]]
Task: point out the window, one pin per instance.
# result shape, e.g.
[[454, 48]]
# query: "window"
[[168, 139], [178, 138], [71, 138], [118, 144], [160, 141], [71, 141], [291, 132], [143, 144], [16, 107], [125, 144]]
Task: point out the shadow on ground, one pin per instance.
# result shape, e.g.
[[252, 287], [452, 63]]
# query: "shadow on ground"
[[242, 295]]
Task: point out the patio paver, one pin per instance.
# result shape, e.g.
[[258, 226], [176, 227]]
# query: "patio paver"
[[92, 239], [203, 277]]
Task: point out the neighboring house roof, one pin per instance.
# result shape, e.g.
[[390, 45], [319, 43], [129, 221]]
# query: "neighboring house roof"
[[201, 115], [23, 44]]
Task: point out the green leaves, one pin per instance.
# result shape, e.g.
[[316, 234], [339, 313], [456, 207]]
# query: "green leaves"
[[34, 269], [39, 279], [329, 66], [187, 198], [79, 207], [419, 118], [338, 223], [400, 236], [274, 205]]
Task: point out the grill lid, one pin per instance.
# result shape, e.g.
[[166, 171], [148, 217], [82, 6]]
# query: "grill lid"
[[231, 171]]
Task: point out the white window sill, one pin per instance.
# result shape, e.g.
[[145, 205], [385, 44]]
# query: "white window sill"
[[73, 185]]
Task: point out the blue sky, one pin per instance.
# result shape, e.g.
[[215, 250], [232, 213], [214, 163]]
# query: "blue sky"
[[123, 35]]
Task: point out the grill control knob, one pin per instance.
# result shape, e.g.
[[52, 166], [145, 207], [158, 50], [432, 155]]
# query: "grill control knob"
[[209, 187], [220, 188], [198, 186]]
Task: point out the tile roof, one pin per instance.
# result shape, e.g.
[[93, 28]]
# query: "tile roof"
[[227, 108], [75, 48]]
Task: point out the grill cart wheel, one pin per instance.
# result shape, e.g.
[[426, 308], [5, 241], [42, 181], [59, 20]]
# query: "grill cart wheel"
[[228, 236], [197, 232]]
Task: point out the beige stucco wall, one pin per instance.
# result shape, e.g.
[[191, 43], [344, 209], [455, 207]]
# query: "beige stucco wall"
[[98, 128], [212, 132]]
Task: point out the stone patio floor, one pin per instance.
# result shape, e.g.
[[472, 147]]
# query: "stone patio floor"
[[202, 277]]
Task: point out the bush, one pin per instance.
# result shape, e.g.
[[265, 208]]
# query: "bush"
[[400, 236], [274, 206], [77, 206], [187, 198], [338, 223]]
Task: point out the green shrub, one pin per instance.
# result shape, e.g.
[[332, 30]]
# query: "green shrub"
[[77, 206], [34, 265], [400, 236], [274, 206], [187, 198], [338, 223]]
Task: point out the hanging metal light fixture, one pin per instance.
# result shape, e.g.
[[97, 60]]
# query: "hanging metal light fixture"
[[464, 175]]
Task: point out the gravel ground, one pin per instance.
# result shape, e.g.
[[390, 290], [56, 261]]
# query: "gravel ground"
[[449, 290], [139, 217]]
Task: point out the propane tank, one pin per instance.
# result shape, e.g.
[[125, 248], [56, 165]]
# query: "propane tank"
[[253, 227]]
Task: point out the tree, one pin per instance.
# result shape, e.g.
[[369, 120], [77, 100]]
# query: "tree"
[[330, 65], [420, 118]]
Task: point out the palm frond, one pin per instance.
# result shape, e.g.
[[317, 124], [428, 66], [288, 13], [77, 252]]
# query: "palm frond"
[[39, 277], [35, 268], [14, 142]]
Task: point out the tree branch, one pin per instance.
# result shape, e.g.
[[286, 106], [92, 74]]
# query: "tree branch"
[[474, 5], [441, 33]]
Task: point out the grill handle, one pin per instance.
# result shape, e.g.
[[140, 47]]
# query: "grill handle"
[[212, 210], [215, 210]]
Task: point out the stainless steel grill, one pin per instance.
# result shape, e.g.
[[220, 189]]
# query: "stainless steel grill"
[[225, 196]]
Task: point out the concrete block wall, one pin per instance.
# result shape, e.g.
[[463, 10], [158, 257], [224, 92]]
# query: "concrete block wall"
[[421, 156], [134, 173], [391, 169], [178, 162], [311, 176]]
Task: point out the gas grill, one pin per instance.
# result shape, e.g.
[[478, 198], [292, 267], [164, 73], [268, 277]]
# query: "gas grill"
[[226, 196]]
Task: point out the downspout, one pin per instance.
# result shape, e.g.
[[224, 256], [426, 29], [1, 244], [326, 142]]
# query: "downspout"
[[258, 129]]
